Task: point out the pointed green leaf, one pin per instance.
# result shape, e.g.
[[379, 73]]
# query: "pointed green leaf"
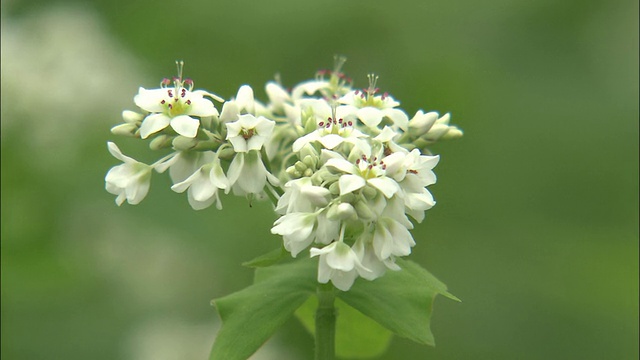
[[401, 301], [357, 336], [250, 316], [268, 259]]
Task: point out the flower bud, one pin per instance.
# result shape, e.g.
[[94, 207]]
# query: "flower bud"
[[160, 142], [364, 212], [369, 192], [421, 123], [183, 143], [126, 129], [343, 211], [132, 117]]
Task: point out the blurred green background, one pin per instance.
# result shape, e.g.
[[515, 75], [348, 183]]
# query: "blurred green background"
[[536, 226]]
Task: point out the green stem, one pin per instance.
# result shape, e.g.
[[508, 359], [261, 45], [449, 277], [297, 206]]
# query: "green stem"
[[325, 323]]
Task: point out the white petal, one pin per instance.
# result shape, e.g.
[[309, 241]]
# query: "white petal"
[[239, 144], [331, 141], [350, 183], [370, 116], [115, 151], [301, 142], [245, 98], [185, 125], [230, 112], [201, 107], [152, 124], [264, 127], [341, 164], [387, 185], [344, 280], [150, 100], [399, 117], [235, 168]]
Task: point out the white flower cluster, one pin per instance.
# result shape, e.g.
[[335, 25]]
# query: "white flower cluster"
[[345, 168]]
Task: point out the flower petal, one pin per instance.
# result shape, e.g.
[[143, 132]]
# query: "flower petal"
[[387, 185], [152, 124], [349, 183], [370, 116], [185, 125]]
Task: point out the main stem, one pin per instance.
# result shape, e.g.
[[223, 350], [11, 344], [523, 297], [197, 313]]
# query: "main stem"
[[325, 323]]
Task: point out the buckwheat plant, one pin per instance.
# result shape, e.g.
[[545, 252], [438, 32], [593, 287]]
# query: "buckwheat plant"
[[347, 171]]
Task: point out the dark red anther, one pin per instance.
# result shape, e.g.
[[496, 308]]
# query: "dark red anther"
[[162, 102], [357, 161], [350, 123], [384, 167], [413, 171], [370, 167], [188, 82], [166, 81], [364, 157], [340, 121], [170, 93], [356, 92], [321, 123], [188, 102], [170, 106], [385, 95]]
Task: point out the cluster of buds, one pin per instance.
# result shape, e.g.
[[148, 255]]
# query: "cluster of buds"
[[345, 168]]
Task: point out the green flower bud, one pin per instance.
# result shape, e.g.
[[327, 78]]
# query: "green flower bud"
[[160, 142], [184, 143]]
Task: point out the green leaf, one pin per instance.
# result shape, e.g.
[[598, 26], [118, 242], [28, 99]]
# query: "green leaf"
[[250, 316], [401, 301], [357, 336], [268, 259]]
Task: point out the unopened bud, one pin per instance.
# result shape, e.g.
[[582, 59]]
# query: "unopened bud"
[[183, 143], [343, 211], [132, 116], [126, 129], [160, 142], [421, 123], [369, 192], [364, 212], [300, 166]]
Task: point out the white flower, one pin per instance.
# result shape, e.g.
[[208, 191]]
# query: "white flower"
[[301, 195], [296, 230], [183, 164], [331, 132], [204, 184], [248, 175], [391, 238], [174, 106], [366, 171], [129, 180], [371, 109], [338, 263], [243, 103], [249, 133]]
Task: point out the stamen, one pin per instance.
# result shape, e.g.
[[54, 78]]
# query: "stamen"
[[162, 102], [321, 123], [188, 102]]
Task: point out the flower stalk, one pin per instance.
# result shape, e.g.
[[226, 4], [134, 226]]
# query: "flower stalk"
[[325, 323]]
